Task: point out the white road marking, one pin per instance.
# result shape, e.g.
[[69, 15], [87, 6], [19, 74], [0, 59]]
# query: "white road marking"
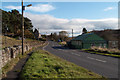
[[73, 50], [62, 50], [65, 51], [97, 59], [90, 57], [100, 60], [53, 45], [75, 54], [45, 46], [59, 49]]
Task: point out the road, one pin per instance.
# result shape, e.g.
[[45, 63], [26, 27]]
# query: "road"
[[103, 65]]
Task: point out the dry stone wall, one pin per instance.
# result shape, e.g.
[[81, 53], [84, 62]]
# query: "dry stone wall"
[[12, 52]]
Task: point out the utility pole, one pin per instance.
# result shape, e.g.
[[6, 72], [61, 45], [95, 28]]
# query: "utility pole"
[[22, 29], [46, 36], [72, 33], [23, 8], [38, 33], [6, 28], [38, 29]]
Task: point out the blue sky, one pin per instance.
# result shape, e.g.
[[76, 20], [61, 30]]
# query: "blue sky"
[[84, 10], [56, 16], [69, 10]]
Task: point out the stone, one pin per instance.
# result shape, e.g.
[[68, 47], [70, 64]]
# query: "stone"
[[11, 52]]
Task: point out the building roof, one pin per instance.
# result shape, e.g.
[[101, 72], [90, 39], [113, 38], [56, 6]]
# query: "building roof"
[[82, 37], [89, 36]]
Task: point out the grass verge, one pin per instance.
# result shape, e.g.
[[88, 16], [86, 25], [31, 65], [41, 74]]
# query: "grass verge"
[[12, 63], [9, 66], [42, 64], [104, 53], [62, 43]]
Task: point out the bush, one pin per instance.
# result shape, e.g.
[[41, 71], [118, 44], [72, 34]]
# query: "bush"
[[42, 39], [29, 34]]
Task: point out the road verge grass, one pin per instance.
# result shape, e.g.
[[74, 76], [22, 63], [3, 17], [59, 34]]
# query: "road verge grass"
[[9, 66], [103, 51], [43, 64]]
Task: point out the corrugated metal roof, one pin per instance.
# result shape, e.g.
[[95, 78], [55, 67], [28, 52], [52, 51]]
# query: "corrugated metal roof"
[[84, 36]]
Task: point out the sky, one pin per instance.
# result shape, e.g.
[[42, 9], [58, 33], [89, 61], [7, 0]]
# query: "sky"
[[57, 16]]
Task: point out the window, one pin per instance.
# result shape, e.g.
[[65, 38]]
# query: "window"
[[115, 44], [79, 42], [100, 45], [104, 45], [92, 44]]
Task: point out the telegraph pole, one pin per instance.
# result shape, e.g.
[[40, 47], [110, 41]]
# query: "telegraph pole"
[[38, 33], [22, 29], [72, 33], [23, 8], [6, 28]]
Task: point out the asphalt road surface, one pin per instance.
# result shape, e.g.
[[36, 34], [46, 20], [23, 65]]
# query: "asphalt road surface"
[[103, 65]]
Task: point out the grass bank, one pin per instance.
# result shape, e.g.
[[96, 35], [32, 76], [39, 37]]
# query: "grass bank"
[[42, 64], [62, 43], [9, 42]]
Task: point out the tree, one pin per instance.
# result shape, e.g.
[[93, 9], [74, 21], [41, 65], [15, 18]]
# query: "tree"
[[36, 33], [63, 35], [84, 31], [54, 36], [51, 34], [13, 21], [5, 20], [28, 34]]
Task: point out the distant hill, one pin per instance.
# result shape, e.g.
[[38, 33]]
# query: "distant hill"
[[109, 35]]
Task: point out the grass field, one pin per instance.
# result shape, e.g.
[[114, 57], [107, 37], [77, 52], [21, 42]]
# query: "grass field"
[[43, 64]]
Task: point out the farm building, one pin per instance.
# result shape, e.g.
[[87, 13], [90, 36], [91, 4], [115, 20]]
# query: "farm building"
[[87, 40]]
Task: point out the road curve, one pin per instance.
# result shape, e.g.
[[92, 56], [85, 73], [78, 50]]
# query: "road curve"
[[103, 65]]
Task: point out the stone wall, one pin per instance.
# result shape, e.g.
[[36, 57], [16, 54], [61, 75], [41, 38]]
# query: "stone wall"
[[12, 52]]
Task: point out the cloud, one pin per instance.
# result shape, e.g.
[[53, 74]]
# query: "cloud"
[[13, 7], [36, 8], [47, 24], [109, 8], [41, 8]]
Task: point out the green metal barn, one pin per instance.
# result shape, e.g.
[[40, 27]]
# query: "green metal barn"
[[87, 40]]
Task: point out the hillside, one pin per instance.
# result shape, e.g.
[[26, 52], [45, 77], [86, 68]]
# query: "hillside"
[[109, 35], [8, 41]]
